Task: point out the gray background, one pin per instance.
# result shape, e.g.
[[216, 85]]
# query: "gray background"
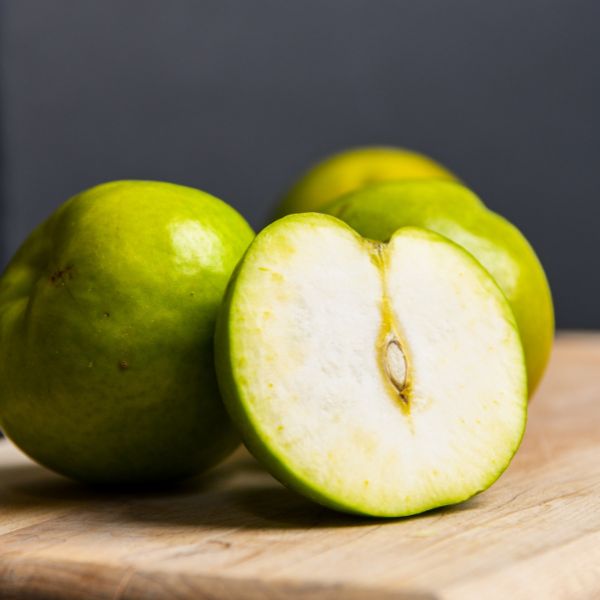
[[237, 97]]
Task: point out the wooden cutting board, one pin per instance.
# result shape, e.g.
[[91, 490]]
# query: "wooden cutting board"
[[236, 533]]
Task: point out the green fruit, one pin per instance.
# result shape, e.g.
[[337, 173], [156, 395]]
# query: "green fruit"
[[354, 169], [452, 210], [107, 316], [379, 379]]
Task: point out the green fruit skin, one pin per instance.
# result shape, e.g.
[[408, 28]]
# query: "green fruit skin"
[[354, 169], [107, 316], [450, 209]]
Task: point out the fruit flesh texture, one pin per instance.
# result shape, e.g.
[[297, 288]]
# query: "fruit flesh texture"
[[451, 210], [107, 316], [354, 169], [303, 361]]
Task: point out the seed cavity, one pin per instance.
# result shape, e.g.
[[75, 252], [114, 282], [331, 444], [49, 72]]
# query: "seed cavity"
[[395, 366], [393, 361]]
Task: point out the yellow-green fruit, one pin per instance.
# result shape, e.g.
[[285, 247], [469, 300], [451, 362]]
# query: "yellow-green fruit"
[[107, 316], [354, 169], [450, 209]]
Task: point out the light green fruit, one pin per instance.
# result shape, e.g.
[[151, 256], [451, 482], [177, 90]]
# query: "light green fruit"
[[354, 169], [107, 316], [379, 379], [452, 210]]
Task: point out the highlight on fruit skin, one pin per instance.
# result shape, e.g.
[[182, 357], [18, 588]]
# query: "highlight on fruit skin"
[[380, 379], [451, 209], [353, 169], [107, 316]]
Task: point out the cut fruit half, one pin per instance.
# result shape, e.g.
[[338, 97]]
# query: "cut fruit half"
[[381, 379]]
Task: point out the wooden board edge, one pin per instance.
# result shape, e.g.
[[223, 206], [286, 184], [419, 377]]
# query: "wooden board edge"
[[22, 578]]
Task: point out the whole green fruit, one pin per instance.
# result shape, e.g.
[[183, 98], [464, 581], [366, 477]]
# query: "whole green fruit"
[[107, 316], [454, 211], [354, 169]]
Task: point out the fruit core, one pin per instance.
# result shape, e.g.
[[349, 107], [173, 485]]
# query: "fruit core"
[[391, 351]]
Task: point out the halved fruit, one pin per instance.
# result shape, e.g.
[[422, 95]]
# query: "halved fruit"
[[380, 379]]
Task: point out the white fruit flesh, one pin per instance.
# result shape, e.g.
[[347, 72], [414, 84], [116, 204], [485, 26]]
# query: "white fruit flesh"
[[378, 379]]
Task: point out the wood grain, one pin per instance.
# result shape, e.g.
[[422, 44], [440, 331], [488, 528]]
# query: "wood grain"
[[237, 533]]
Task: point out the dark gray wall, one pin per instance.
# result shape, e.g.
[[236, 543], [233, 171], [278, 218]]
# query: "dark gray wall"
[[236, 97]]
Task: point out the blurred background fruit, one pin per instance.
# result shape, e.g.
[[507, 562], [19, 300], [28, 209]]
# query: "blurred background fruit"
[[452, 210], [354, 169]]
